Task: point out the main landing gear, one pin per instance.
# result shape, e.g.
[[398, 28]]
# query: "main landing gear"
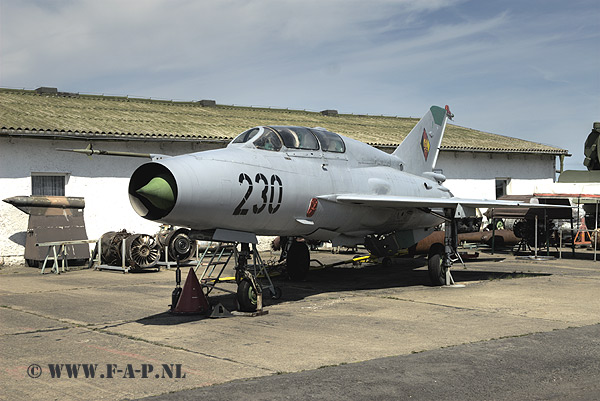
[[297, 258], [441, 257]]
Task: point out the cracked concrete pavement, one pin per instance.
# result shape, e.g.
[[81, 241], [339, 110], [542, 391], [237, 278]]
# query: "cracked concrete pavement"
[[337, 316]]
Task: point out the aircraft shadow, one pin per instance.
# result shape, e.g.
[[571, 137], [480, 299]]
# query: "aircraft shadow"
[[169, 319], [405, 273]]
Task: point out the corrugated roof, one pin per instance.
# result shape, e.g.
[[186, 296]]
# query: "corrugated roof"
[[25, 112]]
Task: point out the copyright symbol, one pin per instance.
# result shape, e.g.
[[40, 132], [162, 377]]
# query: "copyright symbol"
[[34, 371]]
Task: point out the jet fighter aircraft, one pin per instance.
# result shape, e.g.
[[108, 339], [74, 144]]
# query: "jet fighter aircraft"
[[308, 183]]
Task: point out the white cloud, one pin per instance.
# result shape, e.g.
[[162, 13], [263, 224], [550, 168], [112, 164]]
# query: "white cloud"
[[504, 67]]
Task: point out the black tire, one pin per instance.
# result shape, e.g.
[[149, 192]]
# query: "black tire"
[[437, 272], [246, 296], [180, 244], [298, 261]]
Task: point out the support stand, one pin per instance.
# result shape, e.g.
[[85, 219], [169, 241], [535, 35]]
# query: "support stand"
[[177, 291]]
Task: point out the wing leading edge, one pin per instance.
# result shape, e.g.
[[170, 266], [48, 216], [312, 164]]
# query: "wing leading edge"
[[413, 201]]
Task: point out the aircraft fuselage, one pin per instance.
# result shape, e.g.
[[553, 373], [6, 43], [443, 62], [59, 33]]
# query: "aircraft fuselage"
[[285, 192]]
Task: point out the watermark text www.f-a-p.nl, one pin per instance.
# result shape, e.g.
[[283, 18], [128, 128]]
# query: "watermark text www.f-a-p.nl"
[[106, 371]]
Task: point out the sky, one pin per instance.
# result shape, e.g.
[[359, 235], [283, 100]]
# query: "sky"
[[524, 69]]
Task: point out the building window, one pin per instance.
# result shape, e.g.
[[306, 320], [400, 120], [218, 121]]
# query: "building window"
[[53, 185], [501, 187]]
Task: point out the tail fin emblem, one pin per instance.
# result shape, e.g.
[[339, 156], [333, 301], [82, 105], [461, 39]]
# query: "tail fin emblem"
[[449, 113], [425, 145]]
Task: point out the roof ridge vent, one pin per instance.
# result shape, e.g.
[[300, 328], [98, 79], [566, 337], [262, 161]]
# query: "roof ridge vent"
[[46, 90], [208, 103], [330, 113]]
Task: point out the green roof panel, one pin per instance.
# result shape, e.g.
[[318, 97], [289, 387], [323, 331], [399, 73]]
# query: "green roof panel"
[[126, 117]]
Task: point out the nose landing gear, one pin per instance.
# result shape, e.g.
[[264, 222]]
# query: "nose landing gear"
[[250, 292]]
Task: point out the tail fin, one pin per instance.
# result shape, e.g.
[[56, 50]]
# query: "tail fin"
[[419, 150]]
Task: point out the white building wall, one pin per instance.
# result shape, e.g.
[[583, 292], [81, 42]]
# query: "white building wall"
[[102, 180], [474, 174]]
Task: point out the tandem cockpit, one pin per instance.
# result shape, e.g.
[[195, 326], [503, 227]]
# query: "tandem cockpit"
[[275, 138]]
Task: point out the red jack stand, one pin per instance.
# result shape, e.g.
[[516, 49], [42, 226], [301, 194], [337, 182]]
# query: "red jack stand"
[[192, 299], [583, 238]]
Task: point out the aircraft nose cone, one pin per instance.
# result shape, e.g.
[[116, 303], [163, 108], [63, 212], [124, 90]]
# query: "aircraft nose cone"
[[153, 191], [159, 193]]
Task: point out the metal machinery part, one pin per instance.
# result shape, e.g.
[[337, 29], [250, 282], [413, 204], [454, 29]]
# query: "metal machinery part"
[[591, 148], [177, 243], [142, 251], [468, 224], [525, 229], [111, 246], [53, 218]]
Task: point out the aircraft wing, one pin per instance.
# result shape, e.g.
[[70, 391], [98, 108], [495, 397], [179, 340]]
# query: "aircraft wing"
[[414, 201]]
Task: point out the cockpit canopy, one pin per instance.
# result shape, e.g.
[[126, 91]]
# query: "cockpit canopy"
[[275, 137]]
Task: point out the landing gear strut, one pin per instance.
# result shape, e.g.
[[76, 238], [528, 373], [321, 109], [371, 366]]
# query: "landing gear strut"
[[441, 257]]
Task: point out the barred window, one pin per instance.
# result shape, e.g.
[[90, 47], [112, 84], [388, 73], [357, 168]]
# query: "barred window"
[[53, 185]]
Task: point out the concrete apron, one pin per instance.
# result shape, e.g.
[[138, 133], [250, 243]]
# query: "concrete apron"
[[118, 322]]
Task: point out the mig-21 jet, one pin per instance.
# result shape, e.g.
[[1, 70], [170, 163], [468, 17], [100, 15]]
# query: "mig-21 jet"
[[312, 184]]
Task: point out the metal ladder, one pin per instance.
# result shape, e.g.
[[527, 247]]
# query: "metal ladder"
[[219, 256], [216, 255]]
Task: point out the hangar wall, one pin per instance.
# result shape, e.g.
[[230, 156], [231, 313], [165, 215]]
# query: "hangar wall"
[[102, 180], [474, 174]]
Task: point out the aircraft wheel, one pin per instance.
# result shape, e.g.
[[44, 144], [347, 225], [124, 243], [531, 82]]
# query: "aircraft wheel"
[[437, 272], [180, 245], [298, 261], [246, 296]]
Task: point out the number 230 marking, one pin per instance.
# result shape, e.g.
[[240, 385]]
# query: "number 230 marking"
[[267, 195]]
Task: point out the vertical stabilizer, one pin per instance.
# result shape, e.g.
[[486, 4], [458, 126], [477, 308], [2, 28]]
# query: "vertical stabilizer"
[[419, 150]]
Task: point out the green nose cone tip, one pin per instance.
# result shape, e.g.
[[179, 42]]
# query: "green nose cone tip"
[[159, 193]]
